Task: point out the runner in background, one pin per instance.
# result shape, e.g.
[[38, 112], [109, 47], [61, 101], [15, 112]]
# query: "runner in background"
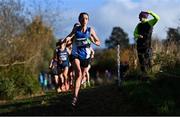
[[63, 64], [86, 81]]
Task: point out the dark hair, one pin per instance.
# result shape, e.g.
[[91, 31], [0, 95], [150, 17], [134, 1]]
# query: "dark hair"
[[59, 42], [76, 24], [143, 14], [81, 15]]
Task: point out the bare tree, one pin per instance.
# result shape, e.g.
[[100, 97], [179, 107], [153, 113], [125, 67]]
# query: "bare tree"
[[12, 23]]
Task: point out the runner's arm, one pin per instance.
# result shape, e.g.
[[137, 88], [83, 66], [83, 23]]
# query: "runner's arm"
[[94, 38], [68, 50], [69, 39], [50, 65]]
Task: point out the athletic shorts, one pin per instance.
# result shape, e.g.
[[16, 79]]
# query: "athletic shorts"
[[71, 58], [55, 71], [63, 65], [83, 62]]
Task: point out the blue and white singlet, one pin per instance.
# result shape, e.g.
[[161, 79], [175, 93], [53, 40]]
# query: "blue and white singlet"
[[81, 44], [63, 56]]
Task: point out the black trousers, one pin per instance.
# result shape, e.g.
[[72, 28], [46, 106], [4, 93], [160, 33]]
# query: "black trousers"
[[145, 56]]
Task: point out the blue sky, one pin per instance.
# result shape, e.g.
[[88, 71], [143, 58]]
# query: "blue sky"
[[106, 14]]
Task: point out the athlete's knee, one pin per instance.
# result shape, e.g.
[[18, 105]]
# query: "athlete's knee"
[[65, 76], [78, 74]]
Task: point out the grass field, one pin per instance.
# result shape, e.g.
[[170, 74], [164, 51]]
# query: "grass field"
[[160, 96]]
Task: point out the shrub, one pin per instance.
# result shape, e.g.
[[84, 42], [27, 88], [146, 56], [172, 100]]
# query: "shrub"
[[27, 85], [7, 88], [16, 83]]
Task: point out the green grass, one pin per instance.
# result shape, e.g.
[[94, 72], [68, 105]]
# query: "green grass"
[[160, 96]]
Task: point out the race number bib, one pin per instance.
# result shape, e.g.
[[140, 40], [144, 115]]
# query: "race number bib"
[[81, 42], [63, 56]]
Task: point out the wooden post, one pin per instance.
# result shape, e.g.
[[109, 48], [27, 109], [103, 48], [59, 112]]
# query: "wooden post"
[[118, 63]]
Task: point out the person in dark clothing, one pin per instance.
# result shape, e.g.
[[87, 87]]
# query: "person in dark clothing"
[[142, 34]]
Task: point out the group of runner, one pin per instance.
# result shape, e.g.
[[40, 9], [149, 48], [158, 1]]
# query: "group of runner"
[[72, 57], [62, 69]]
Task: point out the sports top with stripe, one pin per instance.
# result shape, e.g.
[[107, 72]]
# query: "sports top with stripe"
[[81, 44]]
